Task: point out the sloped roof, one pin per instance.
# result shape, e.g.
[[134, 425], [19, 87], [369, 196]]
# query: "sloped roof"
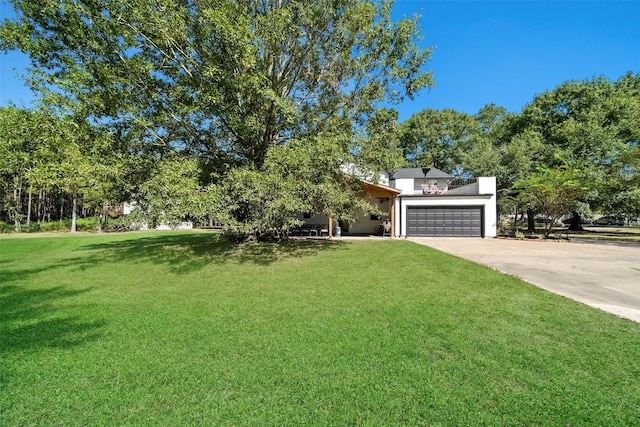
[[407, 173], [380, 191]]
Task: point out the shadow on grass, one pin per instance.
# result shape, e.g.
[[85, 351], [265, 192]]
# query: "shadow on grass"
[[179, 253], [29, 320], [183, 253]]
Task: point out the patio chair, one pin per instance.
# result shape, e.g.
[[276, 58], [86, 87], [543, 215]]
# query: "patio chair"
[[386, 228]]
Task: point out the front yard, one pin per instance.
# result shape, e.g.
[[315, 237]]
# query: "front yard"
[[184, 328]]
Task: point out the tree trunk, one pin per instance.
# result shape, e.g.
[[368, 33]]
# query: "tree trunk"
[[29, 207], [47, 207], [17, 190], [531, 221], [576, 222], [74, 213], [40, 208], [100, 216]]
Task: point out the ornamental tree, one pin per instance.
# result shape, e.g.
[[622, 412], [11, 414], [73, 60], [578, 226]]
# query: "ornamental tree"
[[551, 191]]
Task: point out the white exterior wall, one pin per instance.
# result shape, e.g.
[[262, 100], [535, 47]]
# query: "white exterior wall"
[[405, 185], [127, 207], [487, 185], [185, 225], [364, 223], [486, 198]]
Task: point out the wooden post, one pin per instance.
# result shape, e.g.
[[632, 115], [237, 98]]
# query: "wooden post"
[[330, 228], [393, 217]]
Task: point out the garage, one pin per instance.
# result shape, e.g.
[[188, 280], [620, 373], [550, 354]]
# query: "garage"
[[450, 221]]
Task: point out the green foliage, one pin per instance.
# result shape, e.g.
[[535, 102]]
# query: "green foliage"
[[381, 150], [26, 139], [6, 227], [174, 194], [436, 138], [227, 82], [594, 125], [551, 192], [241, 76], [304, 176], [496, 151], [41, 151], [185, 329], [83, 224]]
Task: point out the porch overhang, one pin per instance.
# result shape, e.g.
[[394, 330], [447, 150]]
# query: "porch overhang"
[[380, 191], [377, 191]]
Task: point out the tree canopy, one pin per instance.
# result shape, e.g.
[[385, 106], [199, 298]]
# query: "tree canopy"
[[436, 138], [214, 75], [225, 81], [247, 111]]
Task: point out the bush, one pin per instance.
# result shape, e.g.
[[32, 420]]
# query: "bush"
[[5, 227], [60, 225], [121, 223], [86, 224], [82, 224]]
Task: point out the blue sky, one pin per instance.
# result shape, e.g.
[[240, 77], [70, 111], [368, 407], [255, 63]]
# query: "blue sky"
[[503, 52]]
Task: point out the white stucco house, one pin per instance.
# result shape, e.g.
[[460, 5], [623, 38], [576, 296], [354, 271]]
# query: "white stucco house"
[[432, 203], [426, 202]]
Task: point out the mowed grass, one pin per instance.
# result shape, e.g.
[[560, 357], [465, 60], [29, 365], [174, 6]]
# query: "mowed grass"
[[185, 328]]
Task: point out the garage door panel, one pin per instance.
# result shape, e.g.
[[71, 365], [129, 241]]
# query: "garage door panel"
[[459, 221]]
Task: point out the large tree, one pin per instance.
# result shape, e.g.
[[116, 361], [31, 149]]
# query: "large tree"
[[23, 134], [550, 191], [225, 80], [42, 153], [594, 125], [436, 137]]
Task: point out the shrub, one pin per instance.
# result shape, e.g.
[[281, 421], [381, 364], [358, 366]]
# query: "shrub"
[[5, 227], [60, 225], [82, 224]]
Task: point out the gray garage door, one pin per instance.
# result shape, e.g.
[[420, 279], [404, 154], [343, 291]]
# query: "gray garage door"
[[459, 221]]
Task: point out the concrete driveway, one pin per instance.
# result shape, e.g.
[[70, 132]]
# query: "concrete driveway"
[[602, 275]]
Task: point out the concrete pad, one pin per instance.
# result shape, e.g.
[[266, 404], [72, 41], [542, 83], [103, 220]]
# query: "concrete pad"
[[601, 275]]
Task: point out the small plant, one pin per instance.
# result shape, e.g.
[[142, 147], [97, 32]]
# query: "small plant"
[[519, 234], [5, 227]]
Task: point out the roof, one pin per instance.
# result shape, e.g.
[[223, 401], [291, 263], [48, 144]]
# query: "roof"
[[419, 173], [380, 191]]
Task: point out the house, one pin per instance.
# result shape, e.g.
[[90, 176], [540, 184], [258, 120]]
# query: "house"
[[128, 207], [433, 203], [427, 202]]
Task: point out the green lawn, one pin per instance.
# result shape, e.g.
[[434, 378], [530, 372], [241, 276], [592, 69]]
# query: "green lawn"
[[185, 329]]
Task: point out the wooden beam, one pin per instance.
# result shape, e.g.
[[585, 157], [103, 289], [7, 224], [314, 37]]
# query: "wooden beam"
[[330, 228], [393, 217]]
